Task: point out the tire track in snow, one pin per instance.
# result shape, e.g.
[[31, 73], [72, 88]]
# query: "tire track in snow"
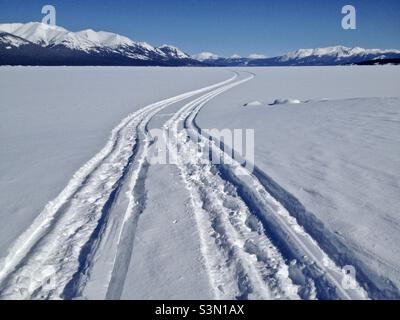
[[241, 261], [319, 269], [133, 211], [54, 257], [45, 258]]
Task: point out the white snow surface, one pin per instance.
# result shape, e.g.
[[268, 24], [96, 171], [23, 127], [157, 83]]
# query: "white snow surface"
[[338, 154], [186, 230], [63, 118]]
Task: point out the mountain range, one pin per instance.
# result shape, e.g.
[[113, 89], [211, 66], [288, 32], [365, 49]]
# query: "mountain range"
[[36, 43]]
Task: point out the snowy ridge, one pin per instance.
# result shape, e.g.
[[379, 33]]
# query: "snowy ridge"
[[47, 35], [115, 49], [106, 39], [173, 52], [88, 45], [335, 55], [336, 52], [37, 32], [11, 40]]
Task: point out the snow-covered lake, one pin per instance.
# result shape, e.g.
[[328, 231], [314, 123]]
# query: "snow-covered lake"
[[338, 152], [53, 120], [328, 136]]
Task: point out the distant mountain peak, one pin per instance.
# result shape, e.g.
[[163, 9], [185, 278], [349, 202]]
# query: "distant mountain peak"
[[203, 56], [9, 40], [173, 52]]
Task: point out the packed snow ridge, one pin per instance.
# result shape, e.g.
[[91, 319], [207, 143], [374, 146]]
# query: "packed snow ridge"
[[285, 101], [256, 103], [253, 104]]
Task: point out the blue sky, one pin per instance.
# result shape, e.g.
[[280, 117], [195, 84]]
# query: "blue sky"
[[269, 27]]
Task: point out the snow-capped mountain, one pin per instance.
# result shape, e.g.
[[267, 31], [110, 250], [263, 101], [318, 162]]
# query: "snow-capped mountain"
[[35, 43], [336, 55], [212, 59], [87, 47], [173, 52], [10, 41]]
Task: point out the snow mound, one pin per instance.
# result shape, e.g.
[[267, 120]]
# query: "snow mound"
[[253, 104], [285, 101]]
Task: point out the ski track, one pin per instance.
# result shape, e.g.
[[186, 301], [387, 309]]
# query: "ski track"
[[252, 247]]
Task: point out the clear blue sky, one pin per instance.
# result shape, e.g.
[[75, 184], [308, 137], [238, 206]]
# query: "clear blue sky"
[[225, 27]]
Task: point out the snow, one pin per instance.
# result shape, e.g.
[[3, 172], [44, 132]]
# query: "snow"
[[275, 102], [335, 51], [338, 157], [63, 118], [224, 222], [86, 40], [106, 39], [12, 41], [173, 52], [173, 237], [96, 41], [323, 192], [10, 27], [285, 101], [35, 32], [253, 104]]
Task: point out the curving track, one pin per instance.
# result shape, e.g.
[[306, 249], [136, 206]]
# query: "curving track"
[[252, 247]]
